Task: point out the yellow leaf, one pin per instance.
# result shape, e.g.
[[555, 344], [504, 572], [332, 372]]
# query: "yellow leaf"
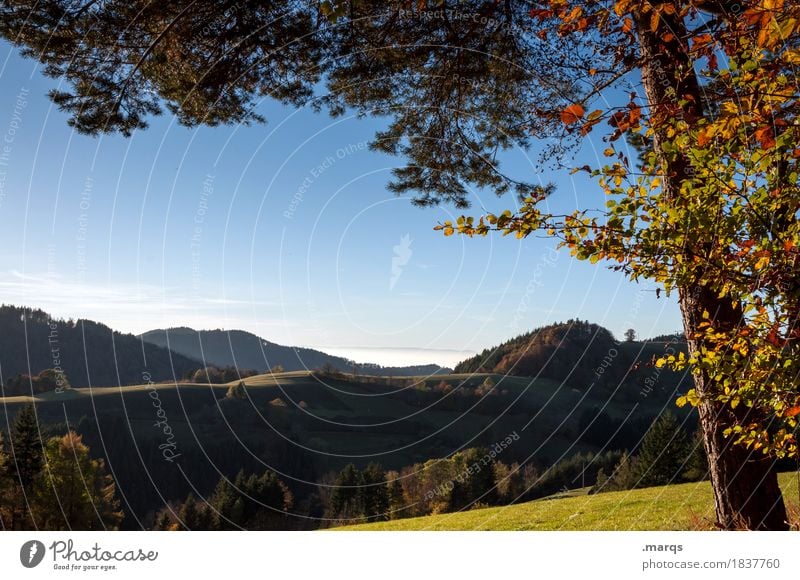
[[730, 108], [792, 56]]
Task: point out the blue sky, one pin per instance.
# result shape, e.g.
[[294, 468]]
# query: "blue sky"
[[284, 229]]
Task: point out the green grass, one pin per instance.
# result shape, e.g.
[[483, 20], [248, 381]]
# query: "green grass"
[[674, 507]]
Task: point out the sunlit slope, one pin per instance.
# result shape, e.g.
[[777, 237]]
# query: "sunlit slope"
[[687, 506]]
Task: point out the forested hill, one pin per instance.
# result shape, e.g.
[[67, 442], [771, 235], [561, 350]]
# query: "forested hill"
[[576, 351], [89, 353], [245, 350]]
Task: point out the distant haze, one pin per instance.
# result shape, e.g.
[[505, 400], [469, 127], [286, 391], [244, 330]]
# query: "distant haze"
[[399, 356]]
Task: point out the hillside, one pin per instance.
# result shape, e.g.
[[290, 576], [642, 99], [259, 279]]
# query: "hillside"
[[244, 350], [577, 352], [687, 506], [88, 352], [305, 426]]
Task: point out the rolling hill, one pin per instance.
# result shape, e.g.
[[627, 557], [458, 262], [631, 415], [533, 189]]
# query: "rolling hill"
[[577, 352], [303, 425], [92, 354], [245, 350]]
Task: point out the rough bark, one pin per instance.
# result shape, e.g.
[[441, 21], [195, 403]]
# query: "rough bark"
[[745, 485]]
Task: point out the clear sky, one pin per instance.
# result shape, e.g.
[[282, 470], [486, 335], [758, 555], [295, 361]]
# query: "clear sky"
[[285, 230]]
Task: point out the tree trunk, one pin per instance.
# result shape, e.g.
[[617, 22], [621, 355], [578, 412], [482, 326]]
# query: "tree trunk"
[[746, 492], [745, 484]]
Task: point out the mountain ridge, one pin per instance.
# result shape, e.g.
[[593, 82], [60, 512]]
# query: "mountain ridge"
[[246, 350], [89, 353]]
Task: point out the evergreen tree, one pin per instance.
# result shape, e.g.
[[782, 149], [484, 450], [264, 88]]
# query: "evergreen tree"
[[346, 495], [250, 502], [697, 465], [474, 480], [163, 521], [663, 455], [601, 482], [26, 446], [227, 506], [25, 464], [266, 501], [624, 476], [189, 514], [374, 493], [397, 500]]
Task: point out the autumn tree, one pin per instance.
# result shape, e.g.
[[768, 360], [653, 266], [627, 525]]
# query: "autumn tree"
[[74, 491], [708, 210], [237, 392], [703, 90]]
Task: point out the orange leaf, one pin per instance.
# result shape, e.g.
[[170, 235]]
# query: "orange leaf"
[[572, 114], [617, 119], [627, 25], [765, 137], [574, 15], [539, 13], [655, 18], [793, 411], [701, 40], [635, 114]]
